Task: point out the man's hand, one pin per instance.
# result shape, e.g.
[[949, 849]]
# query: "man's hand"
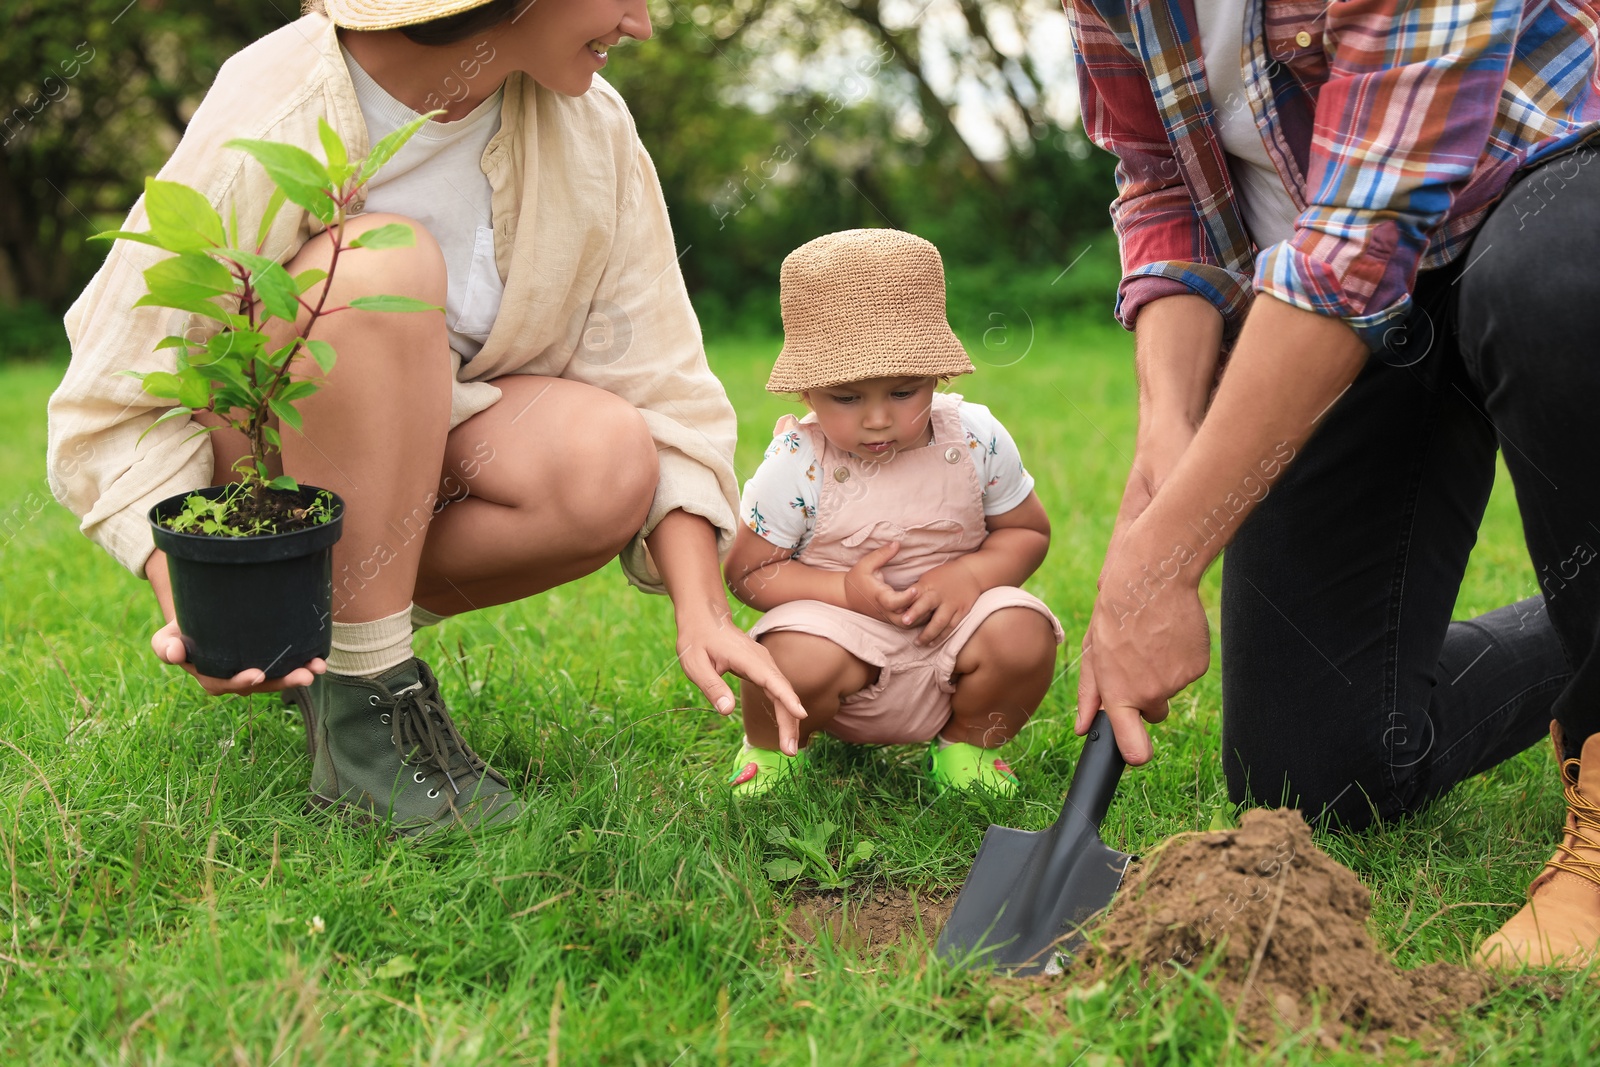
[[866, 593], [943, 597], [1147, 639]]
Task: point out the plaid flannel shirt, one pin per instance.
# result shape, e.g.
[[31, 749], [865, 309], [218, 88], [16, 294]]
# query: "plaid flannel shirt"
[[1395, 125]]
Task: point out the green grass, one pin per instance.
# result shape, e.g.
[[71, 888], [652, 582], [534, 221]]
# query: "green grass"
[[160, 882]]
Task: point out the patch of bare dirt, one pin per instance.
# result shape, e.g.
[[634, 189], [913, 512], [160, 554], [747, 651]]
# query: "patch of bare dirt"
[[876, 920], [1288, 927]]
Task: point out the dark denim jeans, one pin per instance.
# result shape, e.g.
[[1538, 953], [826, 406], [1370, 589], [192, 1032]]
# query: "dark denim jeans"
[[1347, 690]]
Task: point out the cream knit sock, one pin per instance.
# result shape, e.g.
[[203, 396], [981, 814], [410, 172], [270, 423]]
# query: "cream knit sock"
[[366, 649], [422, 617]]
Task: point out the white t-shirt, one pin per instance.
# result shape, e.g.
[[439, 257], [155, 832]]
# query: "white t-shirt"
[[1268, 210], [438, 179], [780, 499]]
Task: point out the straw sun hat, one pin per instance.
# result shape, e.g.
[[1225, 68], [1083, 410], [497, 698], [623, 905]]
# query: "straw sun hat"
[[390, 14], [863, 304]]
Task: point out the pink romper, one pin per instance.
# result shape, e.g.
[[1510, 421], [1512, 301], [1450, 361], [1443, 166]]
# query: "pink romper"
[[929, 499]]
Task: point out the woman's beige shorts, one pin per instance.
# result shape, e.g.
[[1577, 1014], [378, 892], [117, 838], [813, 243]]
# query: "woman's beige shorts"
[[910, 701]]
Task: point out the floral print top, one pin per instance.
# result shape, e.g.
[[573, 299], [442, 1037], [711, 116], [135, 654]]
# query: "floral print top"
[[780, 499]]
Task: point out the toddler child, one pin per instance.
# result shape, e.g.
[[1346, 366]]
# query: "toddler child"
[[886, 533]]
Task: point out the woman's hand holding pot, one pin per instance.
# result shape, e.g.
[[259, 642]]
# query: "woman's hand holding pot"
[[167, 643], [169, 649]]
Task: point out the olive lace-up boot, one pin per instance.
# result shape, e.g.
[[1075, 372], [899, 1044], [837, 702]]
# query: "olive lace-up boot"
[[386, 748], [1559, 926], [300, 697]]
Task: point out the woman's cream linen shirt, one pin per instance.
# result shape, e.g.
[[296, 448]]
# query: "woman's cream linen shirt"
[[592, 291]]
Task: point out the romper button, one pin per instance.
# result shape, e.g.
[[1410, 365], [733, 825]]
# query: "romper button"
[[952, 454], [841, 474], [1303, 39], [357, 207]]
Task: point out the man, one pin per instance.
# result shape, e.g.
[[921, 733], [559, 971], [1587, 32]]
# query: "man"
[[1386, 214]]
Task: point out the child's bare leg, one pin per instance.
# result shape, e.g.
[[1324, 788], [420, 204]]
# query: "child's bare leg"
[[822, 674], [1001, 677]]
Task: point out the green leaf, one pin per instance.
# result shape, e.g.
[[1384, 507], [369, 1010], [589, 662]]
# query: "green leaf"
[[233, 346], [228, 398], [278, 293], [189, 276], [163, 384], [323, 353], [274, 203], [130, 235], [392, 303], [172, 341], [297, 172], [194, 389], [226, 371], [168, 415], [385, 149], [391, 235], [254, 262], [196, 306], [307, 278], [784, 870], [283, 481], [181, 218], [297, 391], [279, 356], [333, 147], [269, 435], [397, 967], [285, 412]]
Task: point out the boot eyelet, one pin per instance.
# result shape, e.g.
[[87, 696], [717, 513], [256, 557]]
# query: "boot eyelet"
[[418, 778], [373, 700], [433, 794], [384, 718]]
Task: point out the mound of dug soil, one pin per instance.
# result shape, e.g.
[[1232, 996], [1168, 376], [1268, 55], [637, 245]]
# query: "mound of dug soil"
[[1288, 925]]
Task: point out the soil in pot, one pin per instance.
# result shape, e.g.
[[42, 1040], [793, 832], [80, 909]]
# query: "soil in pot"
[[263, 601]]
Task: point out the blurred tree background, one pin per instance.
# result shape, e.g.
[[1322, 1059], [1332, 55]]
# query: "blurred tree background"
[[771, 121]]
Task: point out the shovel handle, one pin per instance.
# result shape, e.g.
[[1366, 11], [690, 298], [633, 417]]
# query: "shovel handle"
[[1094, 782]]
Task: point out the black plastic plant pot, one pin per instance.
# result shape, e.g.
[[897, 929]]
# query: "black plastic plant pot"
[[261, 602]]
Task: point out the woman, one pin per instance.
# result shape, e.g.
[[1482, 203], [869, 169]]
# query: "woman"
[[1390, 211], [561, 412]]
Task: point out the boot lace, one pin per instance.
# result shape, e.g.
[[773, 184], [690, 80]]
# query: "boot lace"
[[424, 731], [1583, 824]]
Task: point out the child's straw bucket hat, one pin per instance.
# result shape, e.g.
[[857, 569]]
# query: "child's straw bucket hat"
[[389, 14], [864, 304]]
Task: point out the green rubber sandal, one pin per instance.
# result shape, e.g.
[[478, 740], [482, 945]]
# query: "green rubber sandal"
[[965, 767], [756, 770]]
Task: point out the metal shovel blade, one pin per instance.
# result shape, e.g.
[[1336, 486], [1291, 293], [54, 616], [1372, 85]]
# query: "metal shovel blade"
[[1029, 892]]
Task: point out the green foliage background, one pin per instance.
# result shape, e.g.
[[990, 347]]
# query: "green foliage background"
[[97, 93]]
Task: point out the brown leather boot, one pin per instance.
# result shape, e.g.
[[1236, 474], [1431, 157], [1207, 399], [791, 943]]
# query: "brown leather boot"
[[1559, 926]]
